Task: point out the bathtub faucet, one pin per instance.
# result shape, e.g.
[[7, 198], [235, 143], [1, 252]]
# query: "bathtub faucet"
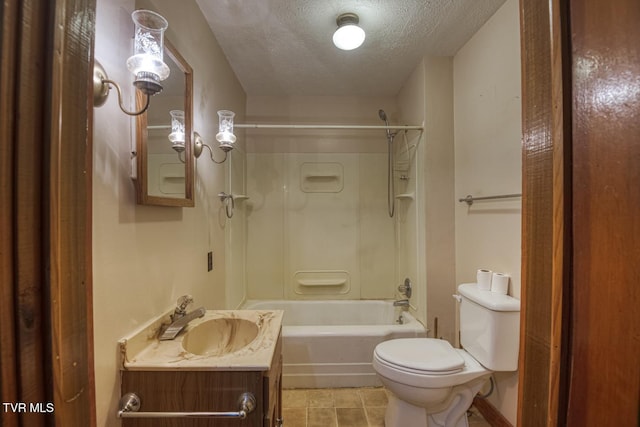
[[401, 303]]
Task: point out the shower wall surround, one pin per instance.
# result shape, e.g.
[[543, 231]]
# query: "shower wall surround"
[[330, 235], [317, 226], [317, 221]]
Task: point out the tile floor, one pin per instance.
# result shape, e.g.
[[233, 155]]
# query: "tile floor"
[[343, 407]]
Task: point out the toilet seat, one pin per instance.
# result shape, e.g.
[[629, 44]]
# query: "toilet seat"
[[450, 368], [420, 356]]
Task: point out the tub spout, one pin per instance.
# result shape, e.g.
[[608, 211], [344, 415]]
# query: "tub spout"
[[401, 303]]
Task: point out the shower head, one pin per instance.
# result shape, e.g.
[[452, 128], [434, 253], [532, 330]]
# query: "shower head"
[[383, 116]]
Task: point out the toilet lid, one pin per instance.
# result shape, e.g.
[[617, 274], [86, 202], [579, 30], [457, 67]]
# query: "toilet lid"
[[421, 354]]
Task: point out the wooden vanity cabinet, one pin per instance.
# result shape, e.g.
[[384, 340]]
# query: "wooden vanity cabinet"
[[272, 384], [206, 391]]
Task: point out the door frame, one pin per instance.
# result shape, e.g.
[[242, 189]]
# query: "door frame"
[[45, 188], [63, 158]]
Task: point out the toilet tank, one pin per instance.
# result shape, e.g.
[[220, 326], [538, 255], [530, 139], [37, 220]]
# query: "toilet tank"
[[490, 327]]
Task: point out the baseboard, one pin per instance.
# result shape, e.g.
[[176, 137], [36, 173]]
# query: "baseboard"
[[490, 413]]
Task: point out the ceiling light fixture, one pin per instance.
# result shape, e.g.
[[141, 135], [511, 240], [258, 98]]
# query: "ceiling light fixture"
[[348, 36]]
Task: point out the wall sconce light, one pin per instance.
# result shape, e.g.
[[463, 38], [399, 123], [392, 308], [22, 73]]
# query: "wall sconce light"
[[225, 136], [349, 35], [177, 130], [146, 63]]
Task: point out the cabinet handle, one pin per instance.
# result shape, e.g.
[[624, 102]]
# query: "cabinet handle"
[[130, 406]]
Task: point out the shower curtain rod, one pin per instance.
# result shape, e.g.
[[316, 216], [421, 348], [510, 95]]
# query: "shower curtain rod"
[[355, 127], [265, 126]]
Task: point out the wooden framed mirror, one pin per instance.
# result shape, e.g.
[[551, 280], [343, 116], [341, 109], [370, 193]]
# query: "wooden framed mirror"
[[165, 177]]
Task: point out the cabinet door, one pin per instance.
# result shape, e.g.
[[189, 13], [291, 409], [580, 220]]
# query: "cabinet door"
[[194, 391]]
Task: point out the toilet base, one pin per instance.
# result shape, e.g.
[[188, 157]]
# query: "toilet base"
[[400, 413], [404, 414]]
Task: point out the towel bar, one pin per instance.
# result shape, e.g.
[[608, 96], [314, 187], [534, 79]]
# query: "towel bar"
[[130, 406], [470, 199]]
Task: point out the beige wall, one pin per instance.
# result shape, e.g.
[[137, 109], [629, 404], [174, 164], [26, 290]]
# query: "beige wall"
[[427, 97], [488, 162], [144, 256]]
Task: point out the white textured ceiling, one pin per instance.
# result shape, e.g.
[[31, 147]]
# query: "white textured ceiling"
[[284, 47]]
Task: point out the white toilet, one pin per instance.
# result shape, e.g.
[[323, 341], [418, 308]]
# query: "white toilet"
[[433, 384]]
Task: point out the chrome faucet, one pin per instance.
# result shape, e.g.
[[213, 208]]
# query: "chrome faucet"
[[180, 318], [405, 288], [181, 307], [401, 303]]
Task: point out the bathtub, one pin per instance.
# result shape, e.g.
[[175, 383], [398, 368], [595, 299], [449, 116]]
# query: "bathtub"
[[329, 344]]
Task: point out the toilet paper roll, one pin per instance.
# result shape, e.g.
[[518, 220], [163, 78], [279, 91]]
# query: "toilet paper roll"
[[500, 283], [483, 278]]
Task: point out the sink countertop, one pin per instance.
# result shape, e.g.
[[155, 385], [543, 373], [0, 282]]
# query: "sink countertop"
[[143, 351]]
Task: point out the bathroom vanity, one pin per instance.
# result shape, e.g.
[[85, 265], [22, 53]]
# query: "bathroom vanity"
[[199, 378]]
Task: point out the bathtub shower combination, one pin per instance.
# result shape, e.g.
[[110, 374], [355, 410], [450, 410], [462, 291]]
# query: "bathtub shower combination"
[[331, 219], [330, 343]]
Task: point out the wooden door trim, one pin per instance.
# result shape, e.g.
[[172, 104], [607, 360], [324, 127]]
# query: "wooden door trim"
[[8, 359], [546, 239], [562, 213], [70, 172], [46, 337]]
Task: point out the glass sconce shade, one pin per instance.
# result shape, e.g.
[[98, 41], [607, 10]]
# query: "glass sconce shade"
[[147, 61], [225, 135], [176, 136], [349, 35]]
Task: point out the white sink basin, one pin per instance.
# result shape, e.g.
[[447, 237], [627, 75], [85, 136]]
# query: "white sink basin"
[[228, 340], [220, 336]]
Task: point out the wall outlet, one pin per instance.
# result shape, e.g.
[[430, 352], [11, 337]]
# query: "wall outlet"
[[209, 261]]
